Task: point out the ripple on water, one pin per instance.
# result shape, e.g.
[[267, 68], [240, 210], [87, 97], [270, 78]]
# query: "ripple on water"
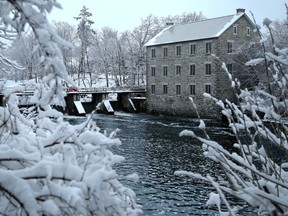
[[153, 149]]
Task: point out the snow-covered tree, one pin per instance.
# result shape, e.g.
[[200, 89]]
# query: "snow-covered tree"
[[183, 18], [105, 51], [23, 51], [248, 76], [68, 33], [85, 33], [255, 170], [47, 166]]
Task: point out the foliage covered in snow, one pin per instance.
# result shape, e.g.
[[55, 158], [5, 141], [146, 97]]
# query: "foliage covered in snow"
[[47, 166], [256, 168]]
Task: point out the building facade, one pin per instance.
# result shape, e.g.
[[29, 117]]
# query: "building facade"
[[186, 61]]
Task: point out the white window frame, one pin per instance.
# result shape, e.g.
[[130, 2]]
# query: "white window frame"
[[190, 49], [190, 69], [153, 53], [248, 31], [229, 47], [165, 72], [165, 89], [235, 29], [208, 73], [190, 89], [208, 47], [178, 50], [153, 89], [178, 89], [210, 88], [165, 52]]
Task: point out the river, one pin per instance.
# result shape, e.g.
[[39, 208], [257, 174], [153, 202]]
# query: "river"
[[153, 149]]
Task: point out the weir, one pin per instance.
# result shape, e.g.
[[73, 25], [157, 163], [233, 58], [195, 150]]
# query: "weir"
[[127, 100], [131, 99]]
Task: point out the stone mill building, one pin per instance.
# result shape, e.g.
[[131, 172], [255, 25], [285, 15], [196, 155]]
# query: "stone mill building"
[[185, 60]]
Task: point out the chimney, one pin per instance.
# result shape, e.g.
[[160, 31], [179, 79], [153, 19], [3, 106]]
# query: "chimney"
[[240, 10]]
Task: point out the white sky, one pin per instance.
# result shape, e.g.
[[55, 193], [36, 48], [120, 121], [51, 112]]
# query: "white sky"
[[126, 14]]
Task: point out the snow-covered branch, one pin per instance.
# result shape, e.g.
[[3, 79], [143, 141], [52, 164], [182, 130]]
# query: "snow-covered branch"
[[48, 166], [255, 169]]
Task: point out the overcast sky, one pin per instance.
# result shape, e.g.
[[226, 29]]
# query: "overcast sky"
[[126, 14]]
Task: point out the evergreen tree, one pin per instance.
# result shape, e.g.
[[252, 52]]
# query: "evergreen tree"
[[84, 32]]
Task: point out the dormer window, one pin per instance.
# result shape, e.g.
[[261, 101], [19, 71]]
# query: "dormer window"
[[235, 29]]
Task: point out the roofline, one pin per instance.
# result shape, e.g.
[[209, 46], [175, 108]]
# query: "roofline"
[[250, 21], [217, 36], [205, 19], [176, 42], [243, 13]]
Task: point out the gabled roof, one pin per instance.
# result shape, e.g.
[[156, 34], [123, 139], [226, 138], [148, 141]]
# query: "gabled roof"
[[210, 28]]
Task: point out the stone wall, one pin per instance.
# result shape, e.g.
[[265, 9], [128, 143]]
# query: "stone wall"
[[179, 104]]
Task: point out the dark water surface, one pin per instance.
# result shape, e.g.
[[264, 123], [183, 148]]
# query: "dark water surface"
[[153, 149]]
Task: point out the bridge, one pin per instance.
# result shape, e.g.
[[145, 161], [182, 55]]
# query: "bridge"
[[120, 89], [129, 99]]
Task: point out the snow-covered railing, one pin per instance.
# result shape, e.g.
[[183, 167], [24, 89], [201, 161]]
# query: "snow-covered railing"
[[93, 90], [109, 89]]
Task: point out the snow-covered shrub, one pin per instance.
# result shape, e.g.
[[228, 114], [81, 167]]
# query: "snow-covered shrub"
[[257, 170], [47, 166]]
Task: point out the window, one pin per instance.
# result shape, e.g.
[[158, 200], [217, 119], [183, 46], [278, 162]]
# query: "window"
[[229, 68], [165, 89], [248, 31], [153, 89], [178, 50], [207, 69], [165, 71], [192, 69], [192, 89], [208, 47], [235, 29], [230, 47], [192, 49], [178, 69], [153, 71], [153, 53], [208, 88], [165, 52], [178, 89]]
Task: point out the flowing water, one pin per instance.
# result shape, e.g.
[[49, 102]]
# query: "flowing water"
[[153, 149]]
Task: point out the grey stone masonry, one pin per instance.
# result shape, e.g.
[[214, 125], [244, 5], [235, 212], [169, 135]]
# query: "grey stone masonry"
[[182, 70]]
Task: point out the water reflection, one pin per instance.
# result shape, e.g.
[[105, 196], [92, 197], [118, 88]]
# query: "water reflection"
[[153, 149]]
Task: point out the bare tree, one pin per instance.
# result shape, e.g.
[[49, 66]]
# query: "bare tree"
[[105, 48], [183, 18], [23, 50]]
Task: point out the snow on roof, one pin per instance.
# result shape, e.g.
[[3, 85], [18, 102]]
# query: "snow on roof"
[[209, 28]]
